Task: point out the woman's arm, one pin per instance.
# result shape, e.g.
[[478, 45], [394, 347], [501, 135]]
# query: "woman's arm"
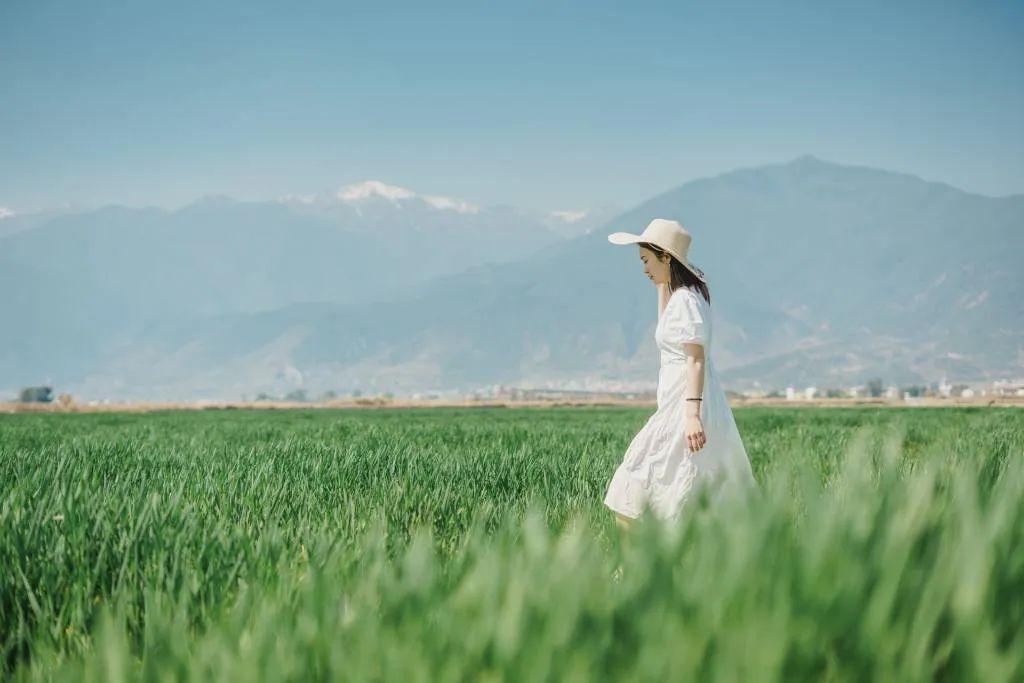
[[695, 436]]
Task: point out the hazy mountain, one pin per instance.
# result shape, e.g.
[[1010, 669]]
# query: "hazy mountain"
[[77, 283], [876, 272], [820, 274]]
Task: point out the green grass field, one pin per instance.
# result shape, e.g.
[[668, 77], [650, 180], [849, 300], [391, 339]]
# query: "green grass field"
[[453, 545]]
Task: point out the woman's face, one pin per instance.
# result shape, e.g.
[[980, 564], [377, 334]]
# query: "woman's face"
[[657, 269]]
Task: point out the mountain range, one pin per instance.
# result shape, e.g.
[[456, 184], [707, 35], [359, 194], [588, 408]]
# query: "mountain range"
[[820, 273]]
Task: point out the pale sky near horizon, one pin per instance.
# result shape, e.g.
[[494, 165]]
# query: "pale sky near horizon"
[[551, 106]]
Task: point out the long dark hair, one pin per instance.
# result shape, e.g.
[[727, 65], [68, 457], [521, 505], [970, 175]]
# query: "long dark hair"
[[680, 275]]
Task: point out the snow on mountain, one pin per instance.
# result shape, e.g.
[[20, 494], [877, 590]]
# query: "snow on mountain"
[[567, 222], [571, 223], [447, 203], [569, 216], [375, 189]]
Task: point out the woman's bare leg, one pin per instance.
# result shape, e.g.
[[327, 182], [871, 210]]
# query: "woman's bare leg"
[[623, 521]]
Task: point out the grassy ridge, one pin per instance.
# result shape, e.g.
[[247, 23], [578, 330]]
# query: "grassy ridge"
[[454, 544]]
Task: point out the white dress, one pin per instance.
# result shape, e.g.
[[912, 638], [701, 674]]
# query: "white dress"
[[659, 470]]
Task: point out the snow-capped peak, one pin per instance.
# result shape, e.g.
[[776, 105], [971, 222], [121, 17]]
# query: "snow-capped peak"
[[569, 216], [451, 204], [5, 213], [375, 188]]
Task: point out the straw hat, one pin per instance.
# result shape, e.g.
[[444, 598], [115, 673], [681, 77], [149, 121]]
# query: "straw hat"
[[669, 235]]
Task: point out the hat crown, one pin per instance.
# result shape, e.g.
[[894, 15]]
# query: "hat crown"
[[669, 235], [665, 234]]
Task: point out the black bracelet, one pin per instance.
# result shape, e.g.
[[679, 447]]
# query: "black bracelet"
[[693, 399]]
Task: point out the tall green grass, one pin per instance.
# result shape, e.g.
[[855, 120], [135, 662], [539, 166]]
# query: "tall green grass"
[[472, 544]]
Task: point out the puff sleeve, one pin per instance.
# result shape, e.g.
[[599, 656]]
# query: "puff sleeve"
[[687, 320]]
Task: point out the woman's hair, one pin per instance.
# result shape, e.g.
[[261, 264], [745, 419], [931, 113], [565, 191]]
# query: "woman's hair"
[[680, 275]]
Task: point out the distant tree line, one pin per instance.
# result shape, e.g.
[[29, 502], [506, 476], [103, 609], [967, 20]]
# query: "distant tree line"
[[301, 396], [36, 395]]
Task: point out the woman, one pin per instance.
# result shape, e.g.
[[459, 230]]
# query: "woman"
[[691, 441]]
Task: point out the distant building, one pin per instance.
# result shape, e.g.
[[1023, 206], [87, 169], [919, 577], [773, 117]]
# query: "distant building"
[[809, 393], [1008, 387], [790, 394]]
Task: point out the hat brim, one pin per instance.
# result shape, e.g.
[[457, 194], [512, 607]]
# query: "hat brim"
[[630, 238], [624, 238]]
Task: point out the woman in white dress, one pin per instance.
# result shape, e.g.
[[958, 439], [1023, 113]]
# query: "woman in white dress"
[[691, 441]]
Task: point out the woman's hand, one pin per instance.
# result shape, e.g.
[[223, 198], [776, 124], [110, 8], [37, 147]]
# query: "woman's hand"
[[695, 436]]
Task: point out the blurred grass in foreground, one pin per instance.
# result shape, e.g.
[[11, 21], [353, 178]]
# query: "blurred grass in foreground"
[[472, 544]]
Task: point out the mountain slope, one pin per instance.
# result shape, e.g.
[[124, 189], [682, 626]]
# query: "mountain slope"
[[820, 274], [79, 284]]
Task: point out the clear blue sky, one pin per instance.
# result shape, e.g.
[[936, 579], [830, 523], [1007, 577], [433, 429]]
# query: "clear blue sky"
[[545, 105]]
